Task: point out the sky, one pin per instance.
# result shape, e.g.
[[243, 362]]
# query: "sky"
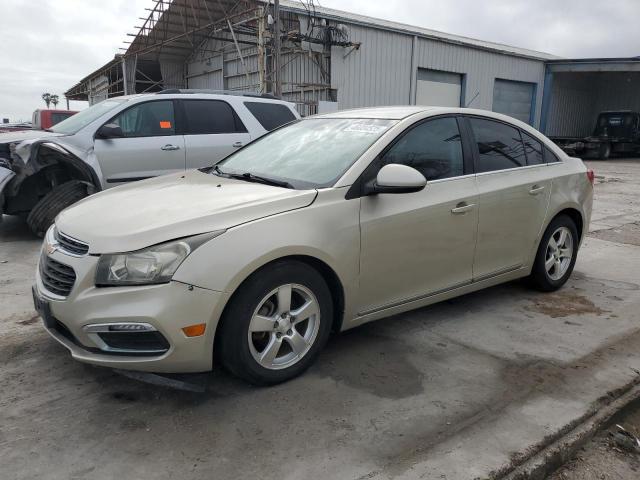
[[48, 45]]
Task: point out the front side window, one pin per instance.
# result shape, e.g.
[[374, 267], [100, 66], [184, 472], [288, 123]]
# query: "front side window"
[[499, 145], [150, 119], [433, 148], [210, 117], [270, 115], [533, 149], [312, 153]]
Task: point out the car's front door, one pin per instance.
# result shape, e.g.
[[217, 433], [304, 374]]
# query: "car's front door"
[[415, 245], [149, 147], [513, 196], [212, 130]]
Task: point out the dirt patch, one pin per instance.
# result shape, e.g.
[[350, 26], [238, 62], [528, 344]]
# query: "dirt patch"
[[29, 321], [628, 233], [603, 457], [564, 304]]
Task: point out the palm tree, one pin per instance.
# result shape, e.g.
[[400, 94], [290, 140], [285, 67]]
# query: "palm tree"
[[47, 98], [54, 100]]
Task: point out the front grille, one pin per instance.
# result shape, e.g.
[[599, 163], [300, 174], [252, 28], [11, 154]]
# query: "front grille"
[[56, 277], [71, 245]]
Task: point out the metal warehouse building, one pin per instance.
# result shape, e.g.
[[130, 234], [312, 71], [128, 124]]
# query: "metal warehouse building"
[[326, 59]]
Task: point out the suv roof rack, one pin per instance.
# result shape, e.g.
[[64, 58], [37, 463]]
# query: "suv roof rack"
[[217, 92]]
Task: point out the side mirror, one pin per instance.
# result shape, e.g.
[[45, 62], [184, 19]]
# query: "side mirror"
[[109, 130], [395, 178]]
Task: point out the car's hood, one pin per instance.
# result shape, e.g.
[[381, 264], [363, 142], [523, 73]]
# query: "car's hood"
[[20, 136], [145, 213]]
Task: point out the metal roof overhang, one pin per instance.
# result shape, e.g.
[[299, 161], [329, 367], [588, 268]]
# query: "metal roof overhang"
[[631, 64]]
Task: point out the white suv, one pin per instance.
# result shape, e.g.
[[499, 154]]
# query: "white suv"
[[125, 139]]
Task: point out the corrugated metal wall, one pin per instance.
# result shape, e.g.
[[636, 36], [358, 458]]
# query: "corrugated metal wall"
[[577, 98], [380, 72]]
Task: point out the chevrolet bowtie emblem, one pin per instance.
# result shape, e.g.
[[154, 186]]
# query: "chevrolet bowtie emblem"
[[51, 247]]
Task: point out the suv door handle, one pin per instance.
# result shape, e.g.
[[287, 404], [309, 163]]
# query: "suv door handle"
[[536, 189], [462, 208], [237, 145], [170, 147]]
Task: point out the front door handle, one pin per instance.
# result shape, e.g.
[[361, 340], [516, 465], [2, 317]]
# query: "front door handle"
[[170, 147], [237, 145], [536, 189], [462, 208]]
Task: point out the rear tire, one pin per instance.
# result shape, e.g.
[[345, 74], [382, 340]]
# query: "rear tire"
[[45, 211], [260, 320], [556, 255], [604, 152]]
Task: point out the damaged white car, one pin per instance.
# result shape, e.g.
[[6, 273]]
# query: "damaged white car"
[[125, 139]]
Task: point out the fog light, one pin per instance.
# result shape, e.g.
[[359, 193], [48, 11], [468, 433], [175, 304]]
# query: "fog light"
[[195, 330], [130, 327]]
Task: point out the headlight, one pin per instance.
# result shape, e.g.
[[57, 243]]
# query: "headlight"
[[148, 266]]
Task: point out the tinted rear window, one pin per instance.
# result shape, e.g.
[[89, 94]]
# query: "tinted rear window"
[[533, 149], [270, 115], [211, 116], [549, 156], [499, 145]]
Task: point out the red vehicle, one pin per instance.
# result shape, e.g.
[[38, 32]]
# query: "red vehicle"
[[43, 119]]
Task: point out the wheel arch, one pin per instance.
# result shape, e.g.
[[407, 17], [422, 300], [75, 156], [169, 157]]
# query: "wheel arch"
[[323, 268], [48, 162]]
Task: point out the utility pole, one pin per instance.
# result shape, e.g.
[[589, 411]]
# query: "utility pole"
[[276, 47]]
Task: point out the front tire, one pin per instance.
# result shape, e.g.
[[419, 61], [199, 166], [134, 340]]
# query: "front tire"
[[45, 211], [556, 255], [276, 324]]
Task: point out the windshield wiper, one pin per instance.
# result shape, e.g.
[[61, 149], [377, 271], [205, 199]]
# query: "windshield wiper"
[[250, 177]]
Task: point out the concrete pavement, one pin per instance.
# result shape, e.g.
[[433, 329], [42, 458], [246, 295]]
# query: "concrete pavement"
[[460, 390]]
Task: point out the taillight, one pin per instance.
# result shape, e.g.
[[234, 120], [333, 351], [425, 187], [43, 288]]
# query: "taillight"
[[591, 176]]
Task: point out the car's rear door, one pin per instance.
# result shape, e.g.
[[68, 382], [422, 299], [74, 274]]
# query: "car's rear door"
[[514, 186], [150, 146], [212, 130], [419, 244]]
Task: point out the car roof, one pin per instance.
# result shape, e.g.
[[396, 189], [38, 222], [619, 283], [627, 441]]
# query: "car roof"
[[405, 111], [203, 94]]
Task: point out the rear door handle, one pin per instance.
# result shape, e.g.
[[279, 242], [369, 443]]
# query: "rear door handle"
[[462, 208], [536, 189], [170, 147], [237, 145]]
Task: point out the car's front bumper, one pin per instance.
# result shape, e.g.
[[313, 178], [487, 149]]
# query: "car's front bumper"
[[167, 307]]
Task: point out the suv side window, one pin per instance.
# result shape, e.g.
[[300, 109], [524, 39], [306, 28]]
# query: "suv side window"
[[270, 115], [433, 148], [499, 145], [209, 117], [533, 149], [149, 119]]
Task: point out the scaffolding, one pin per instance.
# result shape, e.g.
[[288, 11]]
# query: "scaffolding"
[[244, 45]]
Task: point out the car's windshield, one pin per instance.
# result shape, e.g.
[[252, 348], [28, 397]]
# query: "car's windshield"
[[74, 123], [310, 153]]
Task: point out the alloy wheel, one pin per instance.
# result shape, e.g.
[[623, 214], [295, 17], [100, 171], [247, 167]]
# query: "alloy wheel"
[[559, 253], [284, 326]]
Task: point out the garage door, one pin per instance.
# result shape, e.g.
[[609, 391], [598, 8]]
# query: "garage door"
[[514, 99], [438, 89]]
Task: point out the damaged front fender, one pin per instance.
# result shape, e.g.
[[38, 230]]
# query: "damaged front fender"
[[37, 166]]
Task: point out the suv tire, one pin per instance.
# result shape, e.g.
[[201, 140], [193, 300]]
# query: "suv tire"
[[45, 211]]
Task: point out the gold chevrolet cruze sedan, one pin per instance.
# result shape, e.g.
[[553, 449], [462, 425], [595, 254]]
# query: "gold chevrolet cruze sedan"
[[321, 225]]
